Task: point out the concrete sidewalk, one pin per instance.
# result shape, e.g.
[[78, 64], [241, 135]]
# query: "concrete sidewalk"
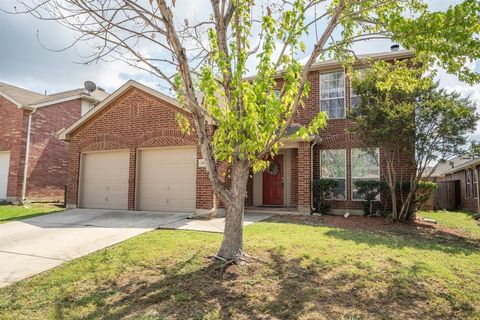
[[212, 225]]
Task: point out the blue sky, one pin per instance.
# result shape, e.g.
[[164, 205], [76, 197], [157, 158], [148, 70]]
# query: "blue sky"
[[24, 62]]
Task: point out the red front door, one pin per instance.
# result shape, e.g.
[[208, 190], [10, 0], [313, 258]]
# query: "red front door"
[[273, 182]]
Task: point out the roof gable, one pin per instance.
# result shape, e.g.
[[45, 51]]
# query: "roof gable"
[[32, 100], [64, 134]]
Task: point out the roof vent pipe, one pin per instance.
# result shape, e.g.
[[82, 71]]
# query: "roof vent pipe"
[[395, 47]]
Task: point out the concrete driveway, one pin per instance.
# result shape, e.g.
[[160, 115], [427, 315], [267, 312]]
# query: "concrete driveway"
[[34, 245], [31, 246]]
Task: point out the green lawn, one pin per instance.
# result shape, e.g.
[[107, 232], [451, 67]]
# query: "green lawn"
[[318, 271], [464, 221], [11, 213]]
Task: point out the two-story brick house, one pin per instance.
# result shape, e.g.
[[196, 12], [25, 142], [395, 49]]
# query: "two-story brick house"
[[128, 153], [33, 162]]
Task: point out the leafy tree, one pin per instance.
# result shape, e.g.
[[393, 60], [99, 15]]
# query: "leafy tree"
[[402, 111], [210, 56]]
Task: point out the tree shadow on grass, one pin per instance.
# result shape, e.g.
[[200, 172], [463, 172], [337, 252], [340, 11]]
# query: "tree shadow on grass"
[[438, 241], [280, 288], [398, 235]]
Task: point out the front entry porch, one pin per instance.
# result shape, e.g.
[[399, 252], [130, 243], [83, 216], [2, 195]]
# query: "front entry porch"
[[285, 185]]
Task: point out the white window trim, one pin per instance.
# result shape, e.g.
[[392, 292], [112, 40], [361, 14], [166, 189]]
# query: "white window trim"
[[345, 178], [344, 93], [352, 177]]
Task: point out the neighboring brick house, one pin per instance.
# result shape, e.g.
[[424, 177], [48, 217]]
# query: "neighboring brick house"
[[33, 162], [467, 173], [128, 153]]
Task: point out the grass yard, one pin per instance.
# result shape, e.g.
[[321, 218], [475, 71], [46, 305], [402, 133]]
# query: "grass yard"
[[10, 213], [316, 268], [464, 221]]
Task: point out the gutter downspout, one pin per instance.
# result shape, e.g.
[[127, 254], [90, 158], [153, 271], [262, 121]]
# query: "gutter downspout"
[[27, 154]]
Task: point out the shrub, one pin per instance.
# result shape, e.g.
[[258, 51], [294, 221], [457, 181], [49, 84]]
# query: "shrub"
[[424, 191], [322, 189], [369, 190]]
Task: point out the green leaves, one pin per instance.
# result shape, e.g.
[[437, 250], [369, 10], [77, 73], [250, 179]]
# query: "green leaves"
[[451, 37], [249, 114], [401, 108]]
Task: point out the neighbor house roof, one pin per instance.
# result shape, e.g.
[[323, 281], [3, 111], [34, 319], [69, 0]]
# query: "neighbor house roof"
[[468, 162], [19, 95], [63, 134], [31, 100]]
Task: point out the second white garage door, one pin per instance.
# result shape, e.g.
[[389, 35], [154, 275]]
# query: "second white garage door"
[[166, 179], [104, 183]]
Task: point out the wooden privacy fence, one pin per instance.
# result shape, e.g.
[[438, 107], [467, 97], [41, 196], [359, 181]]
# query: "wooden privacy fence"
[[447, 195]]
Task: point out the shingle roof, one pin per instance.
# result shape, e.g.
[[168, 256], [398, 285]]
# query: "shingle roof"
[[29, 98], [453, 165], [97, 95], [22, 96]]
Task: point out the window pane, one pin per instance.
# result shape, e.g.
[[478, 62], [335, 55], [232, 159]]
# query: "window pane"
[[354, 101], [354, 98], [475, 183], [339, 192], [332, 94], [365, 164], [468, 184], [355, 195], [332, 163]]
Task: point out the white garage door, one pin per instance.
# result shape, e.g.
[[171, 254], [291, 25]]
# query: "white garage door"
[[104, 183], [4, 165], [166, 179]]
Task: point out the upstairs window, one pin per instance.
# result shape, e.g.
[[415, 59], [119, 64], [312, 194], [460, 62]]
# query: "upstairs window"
[[365, 166], [332, 94], [332, 163], [354, 98]]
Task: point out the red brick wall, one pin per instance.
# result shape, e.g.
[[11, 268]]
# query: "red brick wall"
[[304, 178], [135, 120], [335, 136], [139, 117], [12, 138], [47, 168], [467, 202]]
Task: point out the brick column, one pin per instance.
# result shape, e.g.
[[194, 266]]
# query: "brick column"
[[304, 177], [73, 169], [204, 193], [132, 177]]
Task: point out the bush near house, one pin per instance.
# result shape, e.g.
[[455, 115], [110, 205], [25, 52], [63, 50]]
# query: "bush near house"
[[370, 191], [322, 189]]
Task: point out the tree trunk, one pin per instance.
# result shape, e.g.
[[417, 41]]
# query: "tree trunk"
[[232, 244], [393, 196]]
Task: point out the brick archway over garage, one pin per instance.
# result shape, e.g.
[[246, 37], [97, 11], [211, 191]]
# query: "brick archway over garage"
[[135, 119]]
